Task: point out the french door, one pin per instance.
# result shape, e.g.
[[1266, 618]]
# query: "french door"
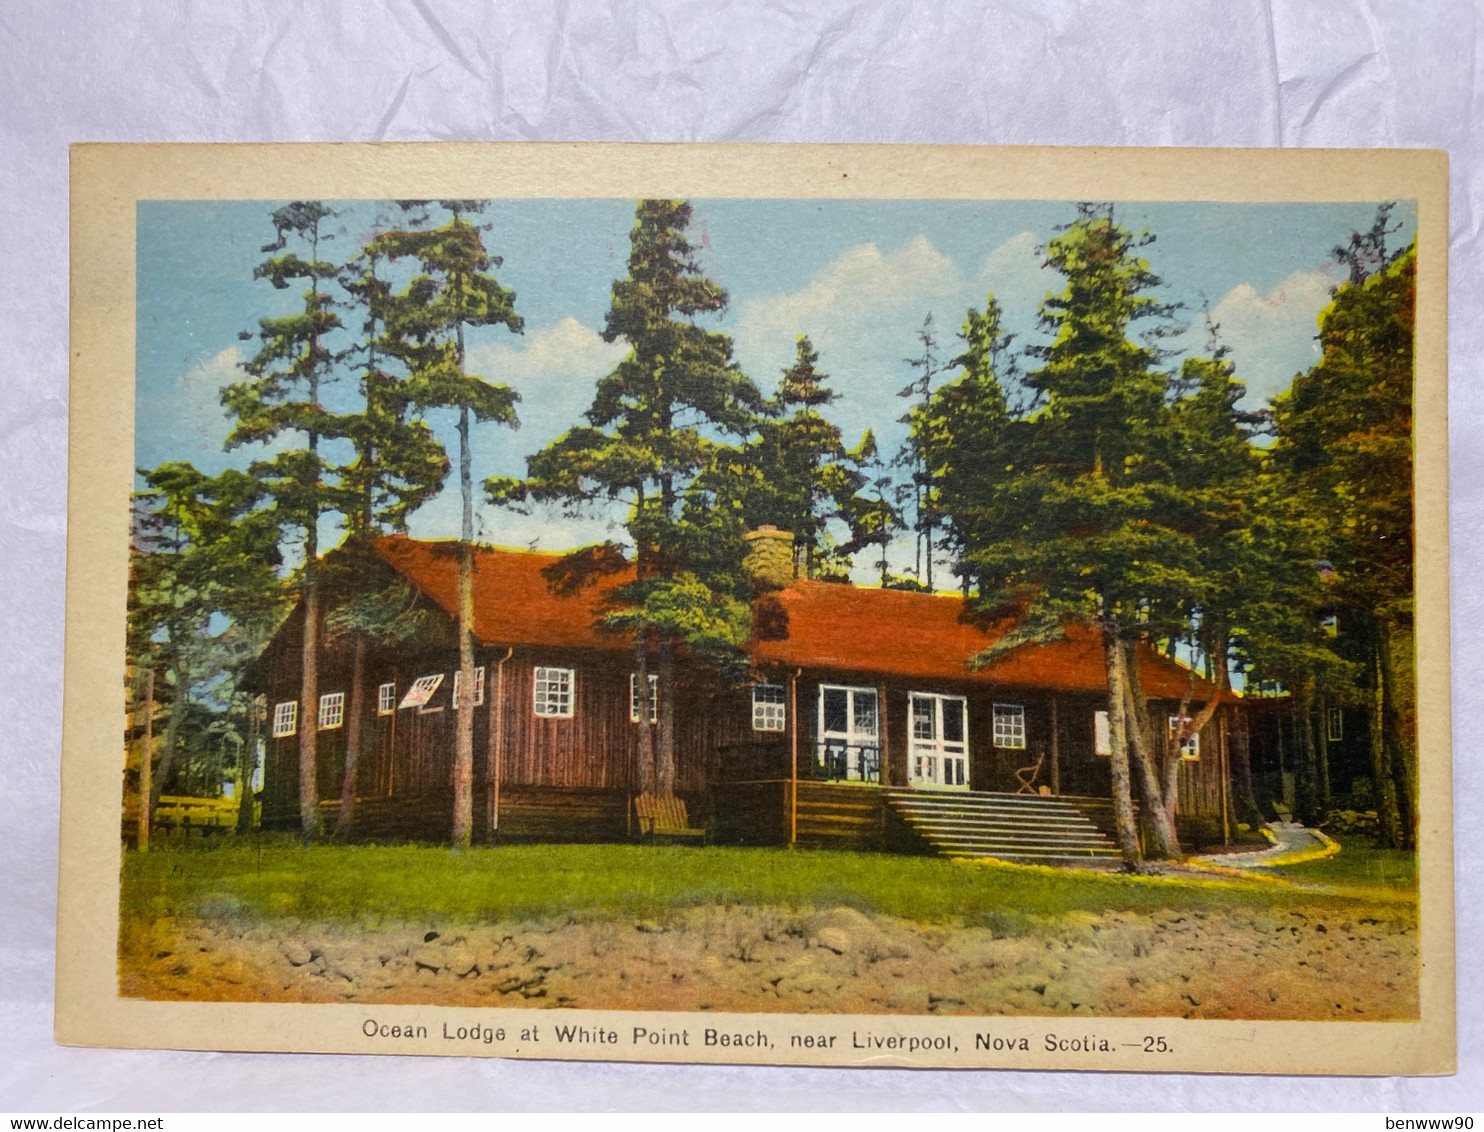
[[849, 734], [938, 740]]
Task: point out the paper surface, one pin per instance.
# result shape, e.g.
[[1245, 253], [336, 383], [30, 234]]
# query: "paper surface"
[[1209, 74], [112, 213]]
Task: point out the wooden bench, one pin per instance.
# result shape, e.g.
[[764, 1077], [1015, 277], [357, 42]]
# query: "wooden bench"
[[660, 816]]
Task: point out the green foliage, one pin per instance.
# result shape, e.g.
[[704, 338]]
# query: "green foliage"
[[399, 464], [654, 439]]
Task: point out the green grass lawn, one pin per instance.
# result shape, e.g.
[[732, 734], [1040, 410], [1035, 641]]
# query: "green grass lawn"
[[273, 876], [1359, 864]]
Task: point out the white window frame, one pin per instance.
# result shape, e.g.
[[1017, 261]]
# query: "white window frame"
[[1335, 725], [478, 686], [769, 714], [558, 702], [654, 697], [331, 711], [285, 719], [423, 689], [933, 759], [1102, 734], [1012, 736], [854, 737], [386, 698], [1190, 746]]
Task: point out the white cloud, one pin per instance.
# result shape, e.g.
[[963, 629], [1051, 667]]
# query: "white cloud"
[[1015, 272], [553, 368], [861, 283], [1271, 336], [197, 397]]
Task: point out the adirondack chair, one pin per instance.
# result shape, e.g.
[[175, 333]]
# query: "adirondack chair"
[[1027, 775], [664, 817]]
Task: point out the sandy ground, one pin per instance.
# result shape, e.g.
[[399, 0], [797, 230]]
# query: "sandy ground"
[[1261, 964]]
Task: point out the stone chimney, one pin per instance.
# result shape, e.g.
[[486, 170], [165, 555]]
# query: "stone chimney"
[[770, 558]]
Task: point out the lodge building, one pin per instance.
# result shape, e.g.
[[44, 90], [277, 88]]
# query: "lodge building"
[[863, 725]]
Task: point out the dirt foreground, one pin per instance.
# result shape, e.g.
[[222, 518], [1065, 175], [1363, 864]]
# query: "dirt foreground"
[[1261, 964]]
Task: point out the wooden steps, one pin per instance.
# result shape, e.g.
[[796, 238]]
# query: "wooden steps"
[[1010, 827]]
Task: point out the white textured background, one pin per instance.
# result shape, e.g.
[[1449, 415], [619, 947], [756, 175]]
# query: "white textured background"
[[1202, 72]]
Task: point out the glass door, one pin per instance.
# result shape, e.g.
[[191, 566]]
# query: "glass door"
[[938, 742], [849, 736]]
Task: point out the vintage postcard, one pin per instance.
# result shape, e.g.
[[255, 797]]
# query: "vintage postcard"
[[780, 604]]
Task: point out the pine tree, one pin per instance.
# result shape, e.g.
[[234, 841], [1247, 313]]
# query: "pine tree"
[[398, 465], [283, 396], [453, 291], [796, 473], [966, 430], [653, 428], [1344, 448], [1086, 526], [203, 588], [918, 455]]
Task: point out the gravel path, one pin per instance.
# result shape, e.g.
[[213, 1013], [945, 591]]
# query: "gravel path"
[[1258, 964]]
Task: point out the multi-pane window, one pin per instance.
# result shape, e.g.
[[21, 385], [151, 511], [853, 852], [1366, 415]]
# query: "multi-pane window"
[[386, 699], [1009, 726], [422, 690], [331, 710], [285, 718], [553, 692], [654, 698], [478, 686], [1190, 746], [1102, 734], [1336, 728], [768, 710]]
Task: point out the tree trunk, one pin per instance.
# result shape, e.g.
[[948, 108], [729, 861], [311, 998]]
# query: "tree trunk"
[[1125, 825], [463, 757], [1240, 747], [172, 737], [1389, 835], [1325, 793], [1144, 744], [357, 709], [1400, 717], [309, 695], [249, 761], [146, 761], [646, 732], [664, 759], [1307, 802], [1220, 678]]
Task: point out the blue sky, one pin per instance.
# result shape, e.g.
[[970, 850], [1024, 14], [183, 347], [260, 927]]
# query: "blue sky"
[[859, 277]]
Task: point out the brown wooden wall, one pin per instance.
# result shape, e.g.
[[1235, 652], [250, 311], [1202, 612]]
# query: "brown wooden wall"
[[407, 756]]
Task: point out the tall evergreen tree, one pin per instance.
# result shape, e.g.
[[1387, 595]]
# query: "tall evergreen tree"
[[796, 473], [918, 455], [1088, 526], [203, 581], [398, 465], [967, 433], [655, 424], [282, 396], [1344, 447], [453, 291]]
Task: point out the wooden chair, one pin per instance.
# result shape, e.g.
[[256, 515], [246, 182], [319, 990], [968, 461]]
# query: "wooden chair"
[[1027, 775], [1285, 815], [660, 816]]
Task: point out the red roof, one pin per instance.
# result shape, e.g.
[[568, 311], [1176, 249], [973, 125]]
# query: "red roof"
[[916, 634], [832, 626], [513, 601]]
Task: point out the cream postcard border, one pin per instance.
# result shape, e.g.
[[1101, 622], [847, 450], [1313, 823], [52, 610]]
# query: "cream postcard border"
[[107, 182]]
